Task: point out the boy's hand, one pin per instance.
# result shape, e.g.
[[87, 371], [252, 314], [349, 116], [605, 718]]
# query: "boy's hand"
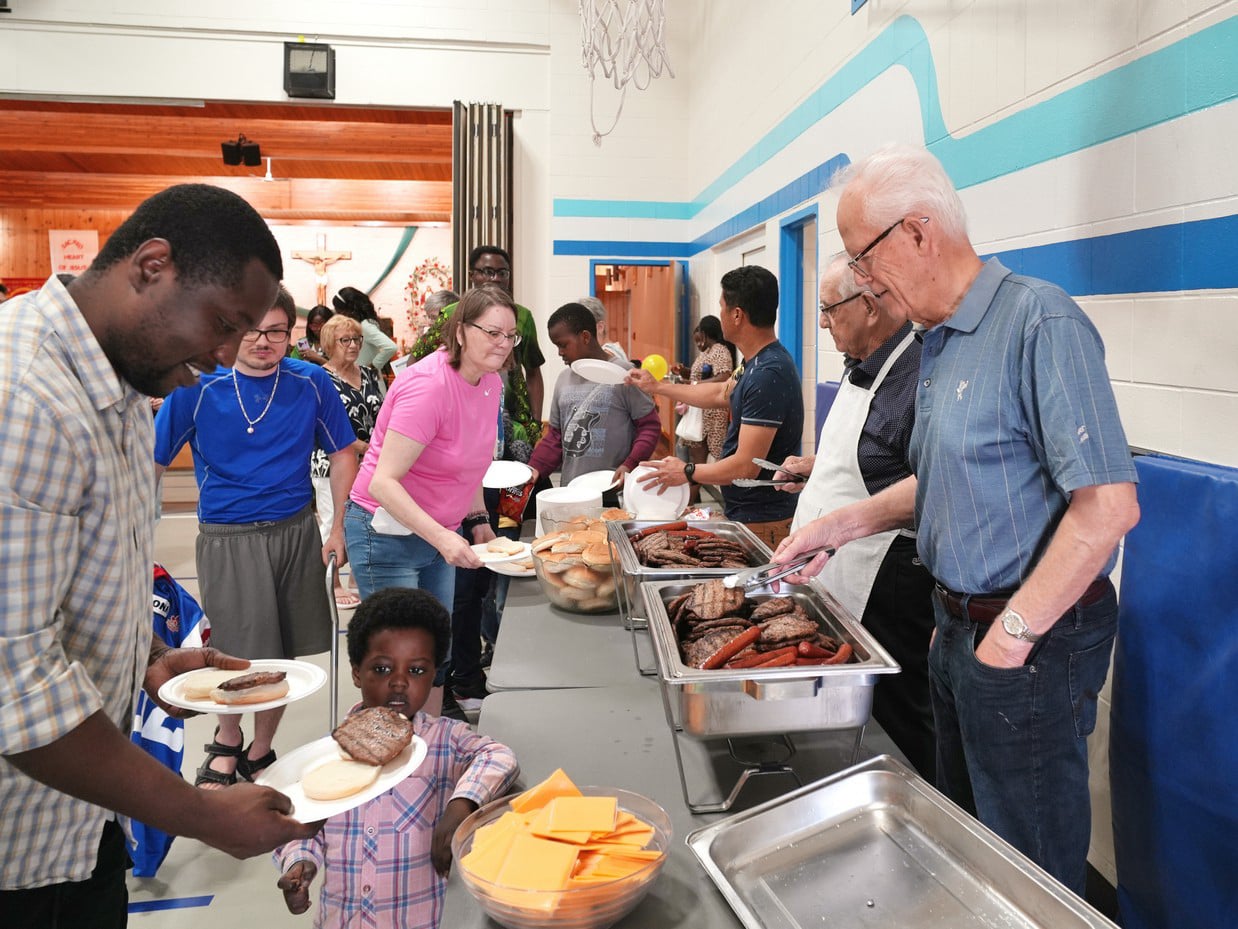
[[440, 843], [295, 884]]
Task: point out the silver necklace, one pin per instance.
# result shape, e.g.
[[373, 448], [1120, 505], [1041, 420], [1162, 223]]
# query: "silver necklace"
[[241, 404]]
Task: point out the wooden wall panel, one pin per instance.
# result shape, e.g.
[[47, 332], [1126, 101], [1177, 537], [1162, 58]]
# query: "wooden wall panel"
[[24, 250]]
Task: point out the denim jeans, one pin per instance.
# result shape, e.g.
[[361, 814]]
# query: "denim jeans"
[[1012, 742], [380, 561]]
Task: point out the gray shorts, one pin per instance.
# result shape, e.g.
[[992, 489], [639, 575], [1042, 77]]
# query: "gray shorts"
[[263, 586]]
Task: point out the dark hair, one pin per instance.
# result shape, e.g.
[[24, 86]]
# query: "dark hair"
[[318, 312], [470, 307], [213, 235], [355, 304], [711, 327], [755, 291], [398, 608], [284, 301], [488, 250], [577, 317]]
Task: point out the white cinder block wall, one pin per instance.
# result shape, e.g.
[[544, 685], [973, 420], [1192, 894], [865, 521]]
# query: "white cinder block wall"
[[1091, 142]]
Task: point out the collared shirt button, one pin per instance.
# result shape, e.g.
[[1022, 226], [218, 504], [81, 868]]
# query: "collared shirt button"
[[369, 830], [928, 381], [365, 889]]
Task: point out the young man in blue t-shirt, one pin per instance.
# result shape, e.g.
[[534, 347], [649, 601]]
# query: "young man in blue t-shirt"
[[766, 404]]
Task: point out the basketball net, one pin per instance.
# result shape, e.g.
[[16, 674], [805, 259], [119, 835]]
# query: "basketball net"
[[628, 45]]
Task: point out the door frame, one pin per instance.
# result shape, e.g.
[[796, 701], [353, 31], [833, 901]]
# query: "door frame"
[[683, 316], [791, 269]]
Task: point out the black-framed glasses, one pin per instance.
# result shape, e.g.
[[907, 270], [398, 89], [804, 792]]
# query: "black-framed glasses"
[[498, 335], [493, 274], [829, 309], [350, 340], [274, 336], [866, 252]]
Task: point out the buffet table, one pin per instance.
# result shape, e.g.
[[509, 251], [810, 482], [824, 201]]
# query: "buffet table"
[[618, 736]]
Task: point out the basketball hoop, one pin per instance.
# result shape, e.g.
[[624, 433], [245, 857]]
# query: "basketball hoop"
[[628, 46]]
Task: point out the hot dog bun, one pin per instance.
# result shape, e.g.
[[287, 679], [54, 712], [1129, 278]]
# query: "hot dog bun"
[[255, 687], [199, 685]]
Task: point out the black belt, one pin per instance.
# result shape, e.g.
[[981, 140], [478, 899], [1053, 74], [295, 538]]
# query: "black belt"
[[986, 608]]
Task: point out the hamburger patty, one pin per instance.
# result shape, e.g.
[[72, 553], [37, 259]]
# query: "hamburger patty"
[[374, 735]]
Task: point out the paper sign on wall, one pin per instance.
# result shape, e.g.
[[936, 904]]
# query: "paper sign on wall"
[[73, 249]]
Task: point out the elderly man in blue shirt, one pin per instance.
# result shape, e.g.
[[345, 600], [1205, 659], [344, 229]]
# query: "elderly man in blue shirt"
[[1022, 487]]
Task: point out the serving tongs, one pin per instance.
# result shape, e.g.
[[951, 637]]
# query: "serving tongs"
[[752, 578]]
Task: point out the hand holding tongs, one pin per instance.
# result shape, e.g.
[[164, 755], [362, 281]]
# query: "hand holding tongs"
[[792, 477], [752, 578]]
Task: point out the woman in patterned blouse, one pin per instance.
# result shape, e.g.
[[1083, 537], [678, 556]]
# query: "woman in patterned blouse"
[[361, 390]]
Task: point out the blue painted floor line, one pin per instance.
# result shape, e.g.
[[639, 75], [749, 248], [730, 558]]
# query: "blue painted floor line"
[[174, 903]]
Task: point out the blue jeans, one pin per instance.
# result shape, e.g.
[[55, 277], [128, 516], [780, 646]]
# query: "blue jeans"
[[1012, 742], [380, 561]]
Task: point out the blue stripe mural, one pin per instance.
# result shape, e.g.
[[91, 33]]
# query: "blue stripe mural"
[[1192, 74]]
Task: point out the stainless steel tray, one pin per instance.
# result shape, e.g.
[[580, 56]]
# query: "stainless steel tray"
[[630, 573], [875, 845], [751, 701]]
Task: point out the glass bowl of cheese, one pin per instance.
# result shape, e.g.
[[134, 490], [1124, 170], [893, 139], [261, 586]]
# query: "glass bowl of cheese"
[[576, 858]]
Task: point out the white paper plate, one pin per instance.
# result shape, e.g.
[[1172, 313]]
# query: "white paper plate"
[[598, 371], [594, 480], [649, 504], [490, 558], [502, 474], [303, 679], [512, 569], [286, 773]]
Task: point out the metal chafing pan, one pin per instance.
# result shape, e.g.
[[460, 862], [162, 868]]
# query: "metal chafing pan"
[[876, 846], [752, 701], [630, 573]]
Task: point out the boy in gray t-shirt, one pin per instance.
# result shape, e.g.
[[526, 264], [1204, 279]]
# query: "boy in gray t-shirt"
[[593, 427]]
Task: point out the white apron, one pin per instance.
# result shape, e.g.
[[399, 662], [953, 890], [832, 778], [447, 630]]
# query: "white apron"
[[836, 481]]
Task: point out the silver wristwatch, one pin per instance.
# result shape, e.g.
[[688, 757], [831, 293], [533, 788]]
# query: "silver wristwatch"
[[1015, 625]]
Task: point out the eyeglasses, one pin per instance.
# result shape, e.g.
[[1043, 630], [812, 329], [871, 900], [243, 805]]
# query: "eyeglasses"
[[274, 336], [854, 263], [350, 340], [829, 309], [493, 274], [496, 335]]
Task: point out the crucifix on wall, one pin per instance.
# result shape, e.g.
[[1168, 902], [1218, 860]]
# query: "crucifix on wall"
[[321, 258]]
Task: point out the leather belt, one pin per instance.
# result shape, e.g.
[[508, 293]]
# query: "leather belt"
[[984, 609]]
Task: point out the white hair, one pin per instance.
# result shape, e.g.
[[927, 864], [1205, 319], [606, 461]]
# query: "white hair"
[[900, 180], [837, 276], [594, 306]]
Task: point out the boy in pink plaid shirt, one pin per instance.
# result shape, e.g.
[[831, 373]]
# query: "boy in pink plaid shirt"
[[386, 862]]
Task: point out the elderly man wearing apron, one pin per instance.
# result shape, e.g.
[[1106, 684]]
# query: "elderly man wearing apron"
[[862, 450]]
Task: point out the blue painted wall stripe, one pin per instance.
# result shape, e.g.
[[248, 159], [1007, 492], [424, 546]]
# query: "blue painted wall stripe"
[[175, 903], [1156, 260], [1192, 74]]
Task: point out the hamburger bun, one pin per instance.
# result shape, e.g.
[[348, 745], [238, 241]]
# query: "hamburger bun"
[[504, 546], [581, 578], [337, 779]]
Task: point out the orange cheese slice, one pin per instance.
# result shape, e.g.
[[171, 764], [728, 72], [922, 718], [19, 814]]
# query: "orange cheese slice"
[[539, 824], [533, 863], [557, 785], [582, 814]]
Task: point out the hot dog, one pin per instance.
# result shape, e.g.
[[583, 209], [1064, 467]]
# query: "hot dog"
[[255, 687], [732, 648]]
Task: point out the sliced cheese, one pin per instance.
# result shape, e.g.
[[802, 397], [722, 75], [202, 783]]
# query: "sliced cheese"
[[557, 785], [582, 814], [539, 824], [534, 863]]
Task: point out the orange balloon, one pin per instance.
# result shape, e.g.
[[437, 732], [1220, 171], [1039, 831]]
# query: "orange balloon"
[[656, 365]]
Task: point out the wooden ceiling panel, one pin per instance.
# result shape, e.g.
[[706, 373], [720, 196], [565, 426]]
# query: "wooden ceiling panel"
[[339, 164]]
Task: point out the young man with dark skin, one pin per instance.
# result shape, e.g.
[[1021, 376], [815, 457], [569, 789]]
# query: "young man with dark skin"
[[168, 298], [593, 427]]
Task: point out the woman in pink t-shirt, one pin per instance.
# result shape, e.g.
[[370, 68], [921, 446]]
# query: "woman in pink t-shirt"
[[432, 442]]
